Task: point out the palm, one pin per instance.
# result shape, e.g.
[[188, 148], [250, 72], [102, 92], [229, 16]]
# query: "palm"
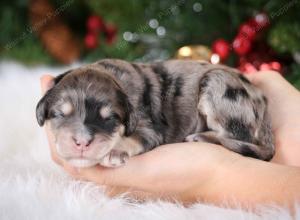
[[284, 109]]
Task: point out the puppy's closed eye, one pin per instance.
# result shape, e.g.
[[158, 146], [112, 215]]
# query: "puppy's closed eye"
[[110, 119], [57, 114], [108, 116], [63, 110]]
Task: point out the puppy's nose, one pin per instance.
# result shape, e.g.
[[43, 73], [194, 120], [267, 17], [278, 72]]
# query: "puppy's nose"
[[82, 143]]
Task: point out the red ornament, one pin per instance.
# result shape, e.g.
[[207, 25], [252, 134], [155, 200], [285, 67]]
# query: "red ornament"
[[91, 41], [247, 30], [241, 45], [222, 48], [110, 33], [94, 23]]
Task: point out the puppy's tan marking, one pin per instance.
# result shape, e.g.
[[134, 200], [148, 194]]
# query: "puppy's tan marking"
[[66, 108], [105, 111]]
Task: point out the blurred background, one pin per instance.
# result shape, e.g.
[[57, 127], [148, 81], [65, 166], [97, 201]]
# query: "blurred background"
[[247, 34]]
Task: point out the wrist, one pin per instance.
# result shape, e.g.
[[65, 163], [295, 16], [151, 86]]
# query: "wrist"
[[287, 148], [223, 163], [252, 182]]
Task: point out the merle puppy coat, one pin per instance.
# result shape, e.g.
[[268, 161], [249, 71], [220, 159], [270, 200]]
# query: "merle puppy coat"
[[111, 110]]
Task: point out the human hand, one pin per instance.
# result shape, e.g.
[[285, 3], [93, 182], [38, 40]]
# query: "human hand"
[[189, 170], [167, 171], [284, 109]]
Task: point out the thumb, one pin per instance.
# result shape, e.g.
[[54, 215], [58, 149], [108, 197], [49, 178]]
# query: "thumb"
[[260, 77], [253, 77], [47, 82], [97, 174]]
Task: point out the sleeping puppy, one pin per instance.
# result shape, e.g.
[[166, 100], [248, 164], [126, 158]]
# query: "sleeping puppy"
[[106, 112]]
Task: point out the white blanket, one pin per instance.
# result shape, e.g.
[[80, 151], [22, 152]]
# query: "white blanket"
[[33, 187]]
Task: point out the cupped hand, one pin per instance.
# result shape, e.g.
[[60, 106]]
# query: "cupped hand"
[[186, 171], [169, 171], [284, 109]]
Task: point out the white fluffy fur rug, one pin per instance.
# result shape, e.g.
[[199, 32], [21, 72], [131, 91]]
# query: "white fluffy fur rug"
[[33, 187]]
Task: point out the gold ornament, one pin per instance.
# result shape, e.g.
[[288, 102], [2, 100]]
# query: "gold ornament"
[[197, 52]]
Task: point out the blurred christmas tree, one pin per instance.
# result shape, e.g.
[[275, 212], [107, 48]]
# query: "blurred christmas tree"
[[148, 30]]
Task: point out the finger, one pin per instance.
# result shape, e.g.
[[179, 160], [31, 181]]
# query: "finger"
[[127, 175], [251, 76], [258, 77], [142, 195], [51, 142], [46, 83], [272, 83], [138, 172], [254, 78], [99, 174], [132, 193]]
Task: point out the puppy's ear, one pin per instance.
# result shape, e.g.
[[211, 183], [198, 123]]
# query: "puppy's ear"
[[60, 77], [42, 108], [130, 117], [43, 104]]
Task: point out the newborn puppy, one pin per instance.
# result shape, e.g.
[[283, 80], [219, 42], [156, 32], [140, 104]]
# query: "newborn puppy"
[[111, 110]]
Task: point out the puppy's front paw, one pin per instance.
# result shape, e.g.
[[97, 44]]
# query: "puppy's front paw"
[[115, 158]]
